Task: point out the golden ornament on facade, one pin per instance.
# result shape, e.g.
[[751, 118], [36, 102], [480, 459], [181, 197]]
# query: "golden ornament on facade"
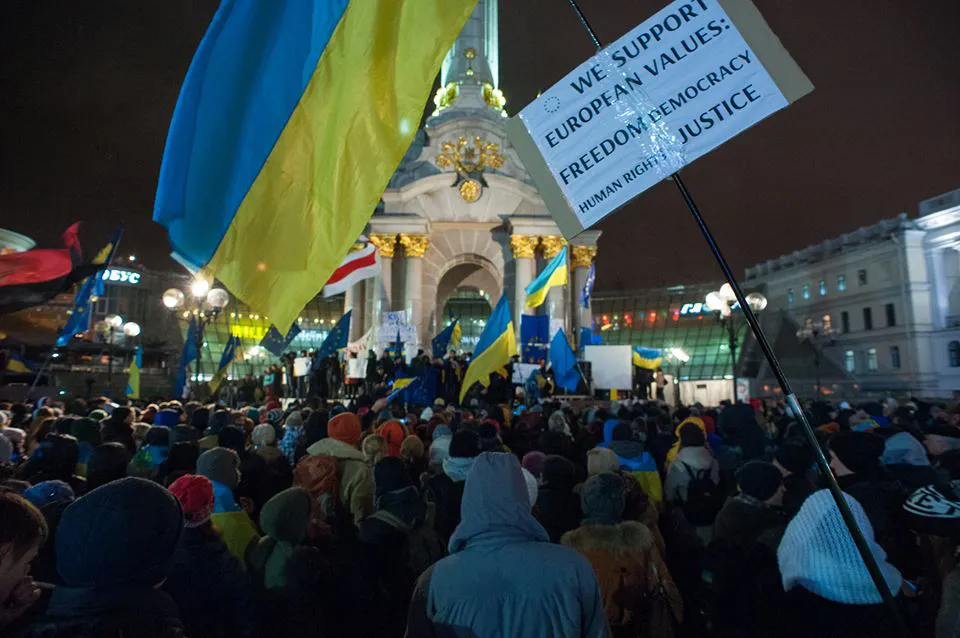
[[445, 97], [470, 190], [466, 157], [552, 245], [415, 244], [523, 246], [582, 256], [385, 243], [493, 97]]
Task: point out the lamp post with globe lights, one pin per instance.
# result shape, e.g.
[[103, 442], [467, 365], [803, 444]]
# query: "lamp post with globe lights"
[[816, 334], [110, 326], [205, 299], [723, 302]]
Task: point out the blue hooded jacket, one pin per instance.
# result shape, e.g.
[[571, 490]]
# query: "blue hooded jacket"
[[503, 577]]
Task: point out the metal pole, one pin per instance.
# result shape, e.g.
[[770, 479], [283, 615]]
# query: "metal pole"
[[733, 355], [869, 560], [110, 358]]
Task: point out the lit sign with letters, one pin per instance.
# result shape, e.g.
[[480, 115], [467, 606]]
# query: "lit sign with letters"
[[693, 309], [120, 276]]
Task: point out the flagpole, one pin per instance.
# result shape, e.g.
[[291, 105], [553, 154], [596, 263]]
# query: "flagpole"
[[869, 559]]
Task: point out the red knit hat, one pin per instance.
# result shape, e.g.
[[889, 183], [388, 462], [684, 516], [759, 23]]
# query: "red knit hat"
[[195, 494], [345, 427], [393, 433]]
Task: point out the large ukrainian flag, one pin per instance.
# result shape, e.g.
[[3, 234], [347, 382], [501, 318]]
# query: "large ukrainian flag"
[[555, 274], [291, 120], [497, 344]]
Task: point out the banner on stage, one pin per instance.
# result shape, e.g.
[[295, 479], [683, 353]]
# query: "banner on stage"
[[677, 86], [301, 366]]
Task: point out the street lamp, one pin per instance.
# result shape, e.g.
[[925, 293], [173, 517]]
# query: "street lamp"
[[205, 299], [110, 325], [723, 302], [816, 334]]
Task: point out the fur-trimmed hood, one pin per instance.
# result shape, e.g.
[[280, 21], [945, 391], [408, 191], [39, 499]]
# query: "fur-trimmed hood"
[[628, 536]]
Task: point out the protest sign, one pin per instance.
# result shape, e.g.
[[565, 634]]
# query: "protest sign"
[[672, 89]]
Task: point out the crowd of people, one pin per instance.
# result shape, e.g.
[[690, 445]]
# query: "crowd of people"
[[493, 518]]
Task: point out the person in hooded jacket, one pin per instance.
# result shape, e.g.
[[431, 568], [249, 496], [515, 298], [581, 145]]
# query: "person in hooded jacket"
[[440, 446], [285, 520], [445, 489], [222, 467], [108, 462], [639, 595], [905, 458], [618, 437], [558, 507], [503, 577], [795, 462], [693, 458], [115, 548], [207, 583], [354, 476], [55, 459]]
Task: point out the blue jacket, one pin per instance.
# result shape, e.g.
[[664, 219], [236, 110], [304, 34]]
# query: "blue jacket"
[[503, 577], [635, 460]]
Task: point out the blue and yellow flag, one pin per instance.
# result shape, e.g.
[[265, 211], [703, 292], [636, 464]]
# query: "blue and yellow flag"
[[16, 364], [226, 358], [497, 344], [444, 340], [291, 120], [564, 363], [275, 342], [79, 319], [647, 358], [555, 274], [133, 380], [188, 355]]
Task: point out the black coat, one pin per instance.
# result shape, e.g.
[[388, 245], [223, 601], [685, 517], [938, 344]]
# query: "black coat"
[[558, 510], [446, 495], [210, 587], [122, 612], [805, 615]]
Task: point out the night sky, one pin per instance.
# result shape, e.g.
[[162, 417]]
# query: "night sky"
[[87, 88]]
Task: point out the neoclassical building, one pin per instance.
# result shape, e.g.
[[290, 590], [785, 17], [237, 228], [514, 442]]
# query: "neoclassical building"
[[460, 218]]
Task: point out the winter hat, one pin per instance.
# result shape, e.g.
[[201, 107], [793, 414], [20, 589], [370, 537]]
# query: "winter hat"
[[220, 464], [465, 444], [274, 417], [263, 435], [140, 431], [412, 447], [393, 433], [818, 554], [122, 533], [167, 417], [602, 460], [533, 489], [185, 433], [795, 458], [108, 462], [87, 431], [157, 435], [345, 427], [427, 414], [286, 516], [691, 435], [294, 419], [533, 462], [859, 451], [440, 403], [390, 475], [934, 511], [48, 492], [621, 432], [759, 479], [602, 499], [195, 494], [558, 472], [200, 419], [903, 449], [232, 437]]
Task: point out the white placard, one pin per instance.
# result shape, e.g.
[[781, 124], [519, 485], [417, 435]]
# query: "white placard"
[[672, 89], [611, 366], [301, 366]]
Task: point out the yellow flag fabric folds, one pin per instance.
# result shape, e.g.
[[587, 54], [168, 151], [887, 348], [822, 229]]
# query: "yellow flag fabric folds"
[[497, 344], [292, 119], [555, 274]]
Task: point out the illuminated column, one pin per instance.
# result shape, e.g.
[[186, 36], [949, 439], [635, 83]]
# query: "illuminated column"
[[416, 246], [523, 248], [581, 258], [380, 296], [353, 298], [556, 297]]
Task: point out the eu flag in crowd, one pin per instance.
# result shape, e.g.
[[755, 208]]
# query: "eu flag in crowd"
[[534, 335], [188, 355], [277, 154], [336, 339], [275, 342], [92, 287], [418, 390], [563, 362], [443, 340]]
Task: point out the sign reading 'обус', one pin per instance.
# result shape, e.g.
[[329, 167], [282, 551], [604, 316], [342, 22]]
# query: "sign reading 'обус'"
[[669, 91]]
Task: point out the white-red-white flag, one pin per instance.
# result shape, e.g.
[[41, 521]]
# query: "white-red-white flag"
[[357, 266]]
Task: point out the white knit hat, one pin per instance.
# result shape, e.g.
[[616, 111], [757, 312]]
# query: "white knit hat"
[[818, 554]]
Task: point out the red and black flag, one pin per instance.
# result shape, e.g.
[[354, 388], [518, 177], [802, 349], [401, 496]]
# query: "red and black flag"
[[33, 277]]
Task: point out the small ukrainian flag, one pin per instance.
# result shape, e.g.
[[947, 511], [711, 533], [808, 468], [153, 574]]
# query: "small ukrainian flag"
[[555, 274]]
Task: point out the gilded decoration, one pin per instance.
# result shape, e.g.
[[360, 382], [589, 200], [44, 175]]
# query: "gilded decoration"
[[582, 256], [385, 243], [469, 159], [523, 246], [552, 244], [415, 244]]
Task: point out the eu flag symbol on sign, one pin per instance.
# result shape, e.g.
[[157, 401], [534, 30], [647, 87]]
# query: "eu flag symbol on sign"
[[290, 122]]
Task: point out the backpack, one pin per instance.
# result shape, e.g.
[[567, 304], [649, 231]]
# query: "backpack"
[[704, 498], [423, 546]]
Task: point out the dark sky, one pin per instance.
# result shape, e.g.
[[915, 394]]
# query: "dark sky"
[[87, 88]]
